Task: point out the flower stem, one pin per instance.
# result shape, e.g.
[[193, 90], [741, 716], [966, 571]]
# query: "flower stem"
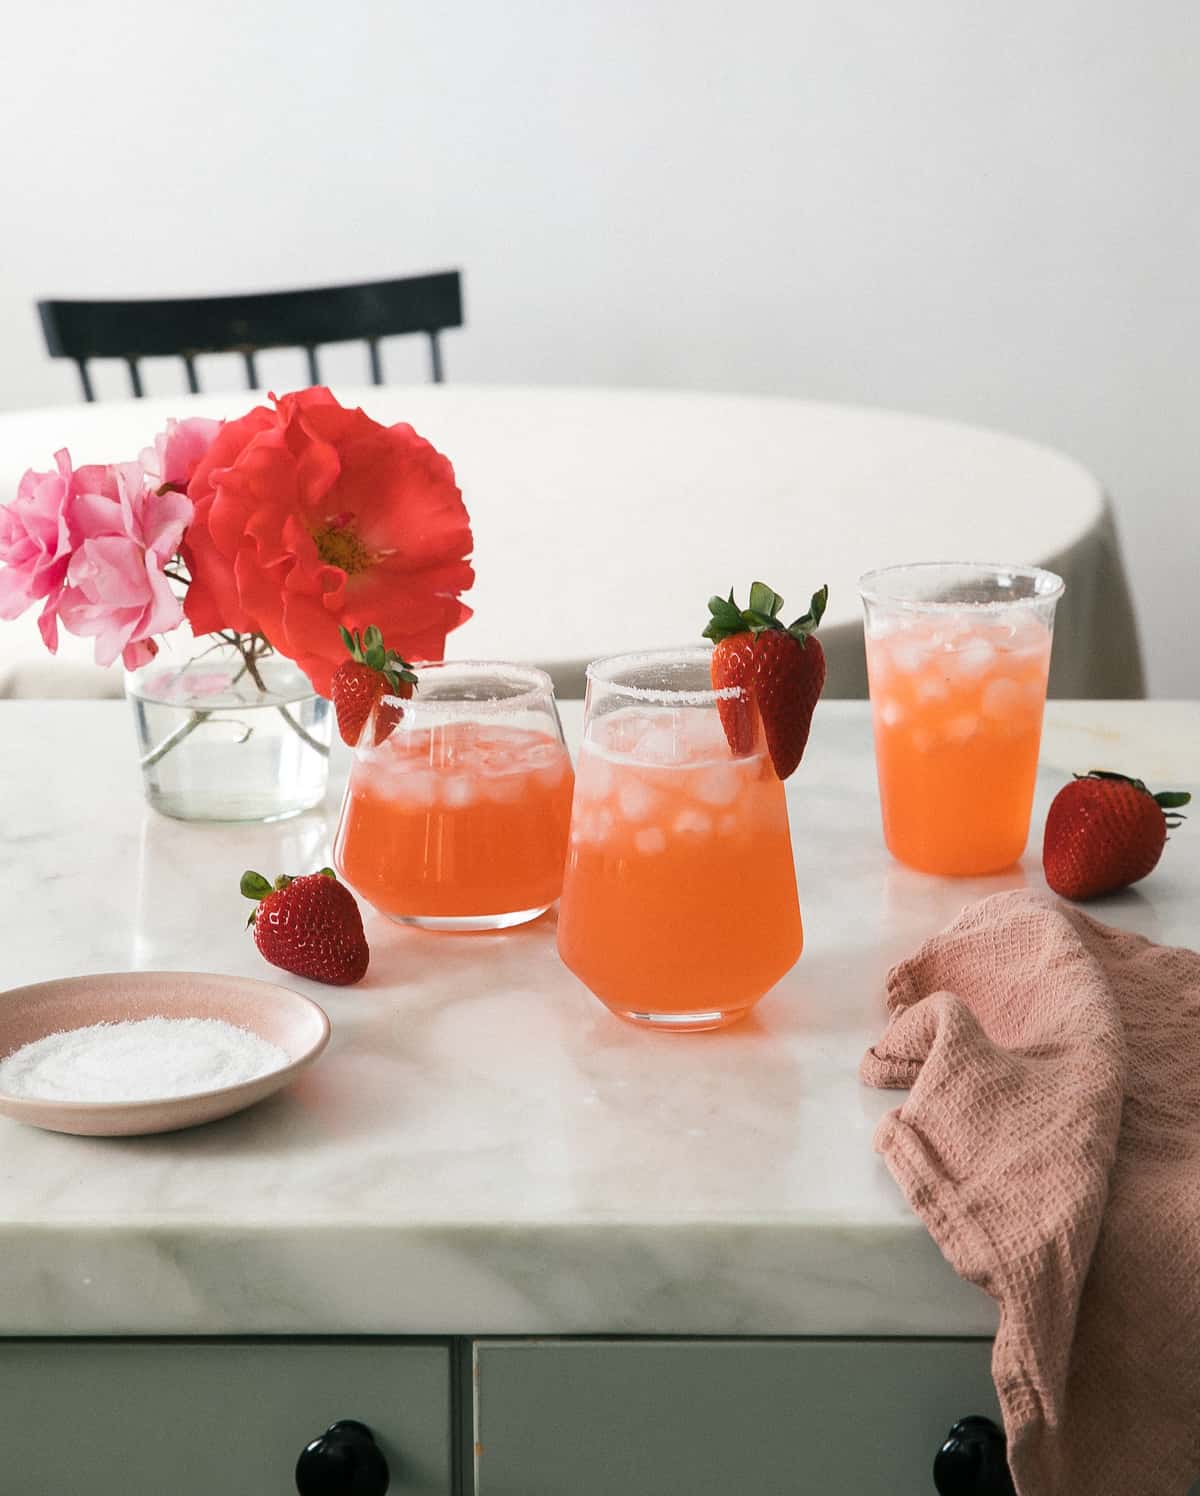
[[305, 737], [184, 730], [252, 648]]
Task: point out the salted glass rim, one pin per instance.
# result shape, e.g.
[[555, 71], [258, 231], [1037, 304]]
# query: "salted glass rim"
[[871, 590], [601, 673], [540, 688]]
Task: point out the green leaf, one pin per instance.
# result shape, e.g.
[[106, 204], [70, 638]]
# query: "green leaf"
[[808, 624], [764, 599], [1173, 799], [757, 620], [254, 886], [327, 872], [347, 637], [816, 608], [726, 619], [723, 611]]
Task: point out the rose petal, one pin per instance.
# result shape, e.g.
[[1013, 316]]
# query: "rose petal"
[[133, 656], [274, 480]]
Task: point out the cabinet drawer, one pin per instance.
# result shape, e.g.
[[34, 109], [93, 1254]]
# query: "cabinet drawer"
[[709, 1418], [213, 1418]]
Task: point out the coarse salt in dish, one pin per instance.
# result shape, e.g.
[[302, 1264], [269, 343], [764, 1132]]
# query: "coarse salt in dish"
[[149, 1059]]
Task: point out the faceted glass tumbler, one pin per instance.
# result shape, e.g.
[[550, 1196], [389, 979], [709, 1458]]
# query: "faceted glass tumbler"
[[679, 907], [457, 820]]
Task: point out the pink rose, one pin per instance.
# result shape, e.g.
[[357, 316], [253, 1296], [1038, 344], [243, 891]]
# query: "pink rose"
[[177, 451], [35, 545], [124, 534]]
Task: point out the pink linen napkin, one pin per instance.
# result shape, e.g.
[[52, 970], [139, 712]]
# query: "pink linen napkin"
[[1051, 1144]]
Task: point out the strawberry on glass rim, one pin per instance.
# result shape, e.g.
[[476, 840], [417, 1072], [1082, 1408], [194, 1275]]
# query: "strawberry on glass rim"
[[359, 683], [779, 671]]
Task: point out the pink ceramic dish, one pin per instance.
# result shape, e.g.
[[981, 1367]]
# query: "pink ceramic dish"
[[297, 1025]]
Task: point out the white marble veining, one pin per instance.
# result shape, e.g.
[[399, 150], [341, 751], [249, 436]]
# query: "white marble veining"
[[483, 1148]]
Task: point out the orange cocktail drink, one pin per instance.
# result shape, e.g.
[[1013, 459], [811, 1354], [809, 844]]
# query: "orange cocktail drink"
[[958, 658], [458, 820], [679, 905]]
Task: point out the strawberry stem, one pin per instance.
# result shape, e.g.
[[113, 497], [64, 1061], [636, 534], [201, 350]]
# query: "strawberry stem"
[[367, 648], [254, 886], [1168, 801], [762, 614]]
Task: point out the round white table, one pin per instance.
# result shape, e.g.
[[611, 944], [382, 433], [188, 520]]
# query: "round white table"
[[604, 519]]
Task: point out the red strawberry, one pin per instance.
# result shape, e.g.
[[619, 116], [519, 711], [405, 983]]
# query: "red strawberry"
[[789, 675], [354, 689], [310, 926], [1105, 831], [783, 672], [371, 672], [733, 666]]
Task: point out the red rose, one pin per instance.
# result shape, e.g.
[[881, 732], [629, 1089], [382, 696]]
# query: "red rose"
[[312, 516]]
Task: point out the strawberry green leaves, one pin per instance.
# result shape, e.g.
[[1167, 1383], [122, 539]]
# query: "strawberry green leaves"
[[762, 614], [726, 619], [367, 648]]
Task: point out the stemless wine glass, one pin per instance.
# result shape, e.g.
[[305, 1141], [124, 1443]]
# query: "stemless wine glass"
[[458, 820], [679, 906], [957, 656]]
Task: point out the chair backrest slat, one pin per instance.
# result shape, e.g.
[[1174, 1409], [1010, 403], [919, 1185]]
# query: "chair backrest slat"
[[135, 378], [132, 330]]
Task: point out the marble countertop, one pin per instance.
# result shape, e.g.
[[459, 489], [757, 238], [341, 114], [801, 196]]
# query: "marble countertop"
[[483, 1148]]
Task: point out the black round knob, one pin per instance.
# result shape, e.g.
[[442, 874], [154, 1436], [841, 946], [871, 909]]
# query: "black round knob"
[[971, 1461], [344, 1461]]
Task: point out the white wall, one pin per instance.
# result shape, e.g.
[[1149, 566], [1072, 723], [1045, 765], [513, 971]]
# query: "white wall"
[[986, 210]]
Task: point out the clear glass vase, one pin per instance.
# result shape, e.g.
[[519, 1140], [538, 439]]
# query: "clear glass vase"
[[224, 737]]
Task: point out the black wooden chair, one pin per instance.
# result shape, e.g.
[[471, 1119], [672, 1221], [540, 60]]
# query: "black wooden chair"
[[132, 330]]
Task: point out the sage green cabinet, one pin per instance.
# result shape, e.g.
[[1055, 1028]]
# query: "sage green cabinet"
[[720, 1417], [213, 1418], [492, 1417]]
